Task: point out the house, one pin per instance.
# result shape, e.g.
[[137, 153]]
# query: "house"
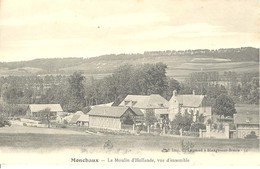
[[192, 103], [34, 110], [154, 102], [114, 118], [246, 120]]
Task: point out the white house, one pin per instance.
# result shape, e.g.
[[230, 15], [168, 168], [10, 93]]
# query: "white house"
[[188, 103]]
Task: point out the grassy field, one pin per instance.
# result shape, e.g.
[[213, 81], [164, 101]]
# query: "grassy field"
[[125, 143]]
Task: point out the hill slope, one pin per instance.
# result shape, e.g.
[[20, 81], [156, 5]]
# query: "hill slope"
[[180, 63]]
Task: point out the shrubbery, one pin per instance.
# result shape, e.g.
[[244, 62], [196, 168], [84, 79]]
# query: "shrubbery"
[[197, 126], [252, 135]]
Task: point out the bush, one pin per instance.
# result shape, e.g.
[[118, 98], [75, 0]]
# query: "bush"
[[215, 126], [197, 126], [252, 135], [175, 132], [220, 126], [63, 126], [186, 128], [7, 123], [24, 124]]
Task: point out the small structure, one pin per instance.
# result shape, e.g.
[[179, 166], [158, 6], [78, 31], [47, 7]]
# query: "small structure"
[[75, 117], [33, 110], [114, 118], [247, 120], [192, 103], [61, 117], [83, 120], [246, 123]]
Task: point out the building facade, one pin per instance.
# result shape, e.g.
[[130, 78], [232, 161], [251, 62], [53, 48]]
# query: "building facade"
[[113, 118], [34, 110], [195, 104]]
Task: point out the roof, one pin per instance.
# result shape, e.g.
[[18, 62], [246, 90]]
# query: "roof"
[[106, 104], [108, 111], [74, 118], [144, 101], [189, 100], [247, 118], [78, 113], [83, 117], [39, 107], [138, 112], [244, 108]]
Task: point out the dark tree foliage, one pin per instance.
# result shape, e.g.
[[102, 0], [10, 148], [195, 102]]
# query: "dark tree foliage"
[[182, 121], [76, 92], [138, 80], [224, 106]]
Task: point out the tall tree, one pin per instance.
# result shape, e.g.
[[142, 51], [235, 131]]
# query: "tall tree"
[[76, 92], [224, 106]]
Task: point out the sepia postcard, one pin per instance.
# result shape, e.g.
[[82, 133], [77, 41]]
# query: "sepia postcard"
[[129, 83]]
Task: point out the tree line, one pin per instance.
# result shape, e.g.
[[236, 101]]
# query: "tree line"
[[75, 92]]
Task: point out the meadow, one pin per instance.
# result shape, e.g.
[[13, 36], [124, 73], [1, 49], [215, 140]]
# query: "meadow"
[[38, 140]]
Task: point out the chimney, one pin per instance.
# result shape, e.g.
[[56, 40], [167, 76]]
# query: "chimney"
[[174, 93], [193, 92], [131, 104]]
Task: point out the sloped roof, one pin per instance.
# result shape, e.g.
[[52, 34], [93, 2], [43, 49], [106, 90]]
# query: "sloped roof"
[[138, 112], [108, 111], [78, 113], [244, 108], [39, 107], [74, 118], [247, 118], [189, 100], [143, 101], [106, 104], [83, 117]]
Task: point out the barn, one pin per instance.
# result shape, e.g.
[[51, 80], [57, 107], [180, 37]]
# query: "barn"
[[33, 110], [113, 118]]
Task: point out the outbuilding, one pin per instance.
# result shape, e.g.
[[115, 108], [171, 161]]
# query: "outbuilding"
[[113, 118], [247, 120], [34, 110]]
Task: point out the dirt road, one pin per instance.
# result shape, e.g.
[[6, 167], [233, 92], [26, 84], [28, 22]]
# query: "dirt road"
[[16, 129]]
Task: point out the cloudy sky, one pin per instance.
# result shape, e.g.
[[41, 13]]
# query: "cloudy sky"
[[85, 28]]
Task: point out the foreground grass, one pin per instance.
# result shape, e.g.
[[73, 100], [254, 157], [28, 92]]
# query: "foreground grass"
[[130, 142]]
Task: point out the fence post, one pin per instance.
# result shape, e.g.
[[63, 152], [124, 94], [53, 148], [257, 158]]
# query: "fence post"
[[164, 130]]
